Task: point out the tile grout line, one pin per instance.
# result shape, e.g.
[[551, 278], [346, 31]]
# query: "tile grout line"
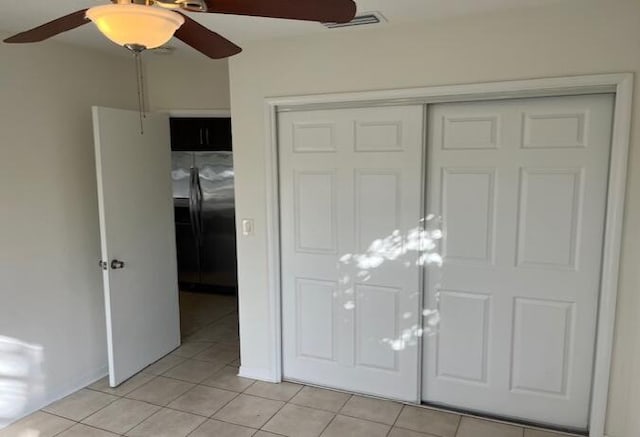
[[143, 420], [89, 415], [128, 392], [362, 418], [160, 407], [396, 419], [163, 375], [328, 425], [226, 403], [455, 434], [66, 429], [187, 391], [269, 432], [335, 415], [99, 429], [237, 394], [350, 395], [57, 415], [120, 397], [213, 322], [279, 409], [215, 412]]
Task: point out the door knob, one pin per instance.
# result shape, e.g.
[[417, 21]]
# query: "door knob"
[[117, 264]]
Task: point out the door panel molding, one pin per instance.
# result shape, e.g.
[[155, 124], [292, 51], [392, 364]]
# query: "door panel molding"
[[349, 216], [475, 342], [621, 84]]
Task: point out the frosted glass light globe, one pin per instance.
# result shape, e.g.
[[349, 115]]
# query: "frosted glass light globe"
[[131, 24]]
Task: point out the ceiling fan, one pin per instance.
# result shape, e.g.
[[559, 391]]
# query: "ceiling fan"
[[147, 24]]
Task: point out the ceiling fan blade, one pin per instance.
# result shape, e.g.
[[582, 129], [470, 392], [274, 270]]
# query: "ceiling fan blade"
[[327, 11], [51, 28], [205, 41]]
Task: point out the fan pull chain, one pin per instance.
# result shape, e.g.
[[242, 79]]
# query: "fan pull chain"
[[141, 91]]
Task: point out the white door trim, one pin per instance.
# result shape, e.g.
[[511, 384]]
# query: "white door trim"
[[198, 113], [621, 84]]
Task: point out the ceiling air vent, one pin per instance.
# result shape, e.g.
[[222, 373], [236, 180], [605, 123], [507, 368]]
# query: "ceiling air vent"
[[360, 20]]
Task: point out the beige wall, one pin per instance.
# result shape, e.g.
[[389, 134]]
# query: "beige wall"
[[196, 82], [50, 283], [571, 38]]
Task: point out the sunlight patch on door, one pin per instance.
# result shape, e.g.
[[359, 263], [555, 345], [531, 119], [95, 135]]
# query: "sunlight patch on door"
[[419, 246]]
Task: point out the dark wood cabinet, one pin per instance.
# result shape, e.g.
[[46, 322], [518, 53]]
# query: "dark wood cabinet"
[[201, 134]]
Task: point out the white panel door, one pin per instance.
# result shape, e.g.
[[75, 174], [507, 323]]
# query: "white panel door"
[[519, 190], [136, 228], [350, 209]]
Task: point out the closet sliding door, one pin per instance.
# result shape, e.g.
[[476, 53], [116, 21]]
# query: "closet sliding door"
[[518, 189], [350, 213]]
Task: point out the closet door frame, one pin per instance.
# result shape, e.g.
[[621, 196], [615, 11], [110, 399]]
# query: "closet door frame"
[[620, 84]]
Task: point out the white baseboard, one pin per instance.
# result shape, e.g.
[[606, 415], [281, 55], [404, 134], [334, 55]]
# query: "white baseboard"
[[261, 374], [73, 386]]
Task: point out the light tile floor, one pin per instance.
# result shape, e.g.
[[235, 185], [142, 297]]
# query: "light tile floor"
[[194, 391]]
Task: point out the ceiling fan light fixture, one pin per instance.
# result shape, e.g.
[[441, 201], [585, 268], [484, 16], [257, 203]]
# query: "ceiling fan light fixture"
[[136, 25]]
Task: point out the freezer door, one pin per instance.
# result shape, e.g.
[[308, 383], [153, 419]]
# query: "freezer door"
[[218, 235], [216, 181], [181, 162]]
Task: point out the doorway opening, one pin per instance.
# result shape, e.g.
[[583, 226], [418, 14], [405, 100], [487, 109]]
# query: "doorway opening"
[[137, 208], [202, 176]]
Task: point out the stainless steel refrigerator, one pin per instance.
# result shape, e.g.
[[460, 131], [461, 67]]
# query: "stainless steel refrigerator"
[[204, 202]]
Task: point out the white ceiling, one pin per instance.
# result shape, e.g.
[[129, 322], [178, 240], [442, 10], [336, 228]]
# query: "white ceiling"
[[19, 15]]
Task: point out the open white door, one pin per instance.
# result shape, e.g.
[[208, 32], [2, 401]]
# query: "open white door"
[[138, 241]]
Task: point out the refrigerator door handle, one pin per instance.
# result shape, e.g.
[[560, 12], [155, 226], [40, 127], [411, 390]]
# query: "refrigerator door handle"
[[193, 205], [199, 198], [195, 217]]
